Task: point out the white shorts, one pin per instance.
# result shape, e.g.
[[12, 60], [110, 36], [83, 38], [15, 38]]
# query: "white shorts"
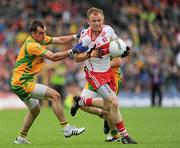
[[103, 92], [89, 93], [37, 94]]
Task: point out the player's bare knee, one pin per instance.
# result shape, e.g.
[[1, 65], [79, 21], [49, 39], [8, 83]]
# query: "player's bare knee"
[[108, 102], [114, 104], [56, 97]]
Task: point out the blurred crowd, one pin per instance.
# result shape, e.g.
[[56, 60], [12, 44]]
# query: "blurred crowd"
[[150, 27]]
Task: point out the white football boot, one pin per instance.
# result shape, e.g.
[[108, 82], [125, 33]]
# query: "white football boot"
[[22, 140], [70, 130]]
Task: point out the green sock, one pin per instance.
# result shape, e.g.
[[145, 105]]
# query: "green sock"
[[115, 133]]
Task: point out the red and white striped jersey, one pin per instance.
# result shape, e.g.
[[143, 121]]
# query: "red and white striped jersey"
[[102, 40]]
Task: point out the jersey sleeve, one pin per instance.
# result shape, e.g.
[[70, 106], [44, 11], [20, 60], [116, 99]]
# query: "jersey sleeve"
[[85, 39], [36, 49], [47, 40], [112, 33]]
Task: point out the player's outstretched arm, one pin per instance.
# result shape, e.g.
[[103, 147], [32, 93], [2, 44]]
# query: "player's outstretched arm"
[[62, 55], [80, 57], [93, 52], [57, 56], [63, 39]]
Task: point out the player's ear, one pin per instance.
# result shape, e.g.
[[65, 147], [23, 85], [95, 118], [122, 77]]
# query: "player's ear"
[[103, 19], [32, 33], [88, 21]]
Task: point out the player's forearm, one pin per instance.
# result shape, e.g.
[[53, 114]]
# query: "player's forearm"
[[115, 62], [63, 39], [56, 56], [80, 57], [60, 56]]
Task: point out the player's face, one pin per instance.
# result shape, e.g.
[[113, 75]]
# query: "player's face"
[[39, 35], [96, 21]]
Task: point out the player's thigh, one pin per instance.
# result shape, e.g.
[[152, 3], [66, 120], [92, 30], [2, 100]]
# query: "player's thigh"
[[39, 92], [52, 94], [89, 93], [32, 104], [44, 92], [106, 92]]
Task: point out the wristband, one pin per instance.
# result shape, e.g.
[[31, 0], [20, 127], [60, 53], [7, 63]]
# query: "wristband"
[[74, 36], [70, 52]]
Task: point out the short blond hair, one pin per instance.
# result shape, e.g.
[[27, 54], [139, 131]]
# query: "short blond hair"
[[94, 10]]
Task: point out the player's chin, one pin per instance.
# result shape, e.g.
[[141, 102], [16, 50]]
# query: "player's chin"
[[40, 40], [98, 29]]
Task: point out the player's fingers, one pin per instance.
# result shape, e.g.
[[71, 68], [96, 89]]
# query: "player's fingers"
[[128, 48]]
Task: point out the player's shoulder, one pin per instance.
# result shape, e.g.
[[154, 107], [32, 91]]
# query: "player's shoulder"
[[47, 40], [30, 40], [107, 28], [32, 45], [85, 32]]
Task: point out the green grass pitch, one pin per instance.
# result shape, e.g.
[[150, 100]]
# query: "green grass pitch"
[[151, 127]]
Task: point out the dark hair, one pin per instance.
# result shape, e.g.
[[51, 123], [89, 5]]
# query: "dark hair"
[[36, 23]]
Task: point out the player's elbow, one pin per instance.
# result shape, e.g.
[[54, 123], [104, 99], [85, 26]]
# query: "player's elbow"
[[54, 60], [50, 56], [60, 41]]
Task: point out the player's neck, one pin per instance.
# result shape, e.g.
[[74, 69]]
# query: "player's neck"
[[95, 34]]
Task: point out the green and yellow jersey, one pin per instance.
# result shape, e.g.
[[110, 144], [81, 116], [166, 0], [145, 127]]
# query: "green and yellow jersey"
[[29, 62]]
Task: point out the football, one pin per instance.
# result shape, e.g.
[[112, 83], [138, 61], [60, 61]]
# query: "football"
[[117, 47]]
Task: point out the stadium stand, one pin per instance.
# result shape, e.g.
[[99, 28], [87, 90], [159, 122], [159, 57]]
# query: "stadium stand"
[[150, 27]]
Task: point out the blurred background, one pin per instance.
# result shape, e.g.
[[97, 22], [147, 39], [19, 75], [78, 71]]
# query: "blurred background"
[[151, 27]]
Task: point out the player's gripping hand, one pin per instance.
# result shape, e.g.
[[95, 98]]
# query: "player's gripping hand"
[[78, 48], [103, 49], [126, 53], [95, 52]]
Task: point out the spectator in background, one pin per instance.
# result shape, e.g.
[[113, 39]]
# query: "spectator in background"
[[146, 22], [58, 79], [156, 79]]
